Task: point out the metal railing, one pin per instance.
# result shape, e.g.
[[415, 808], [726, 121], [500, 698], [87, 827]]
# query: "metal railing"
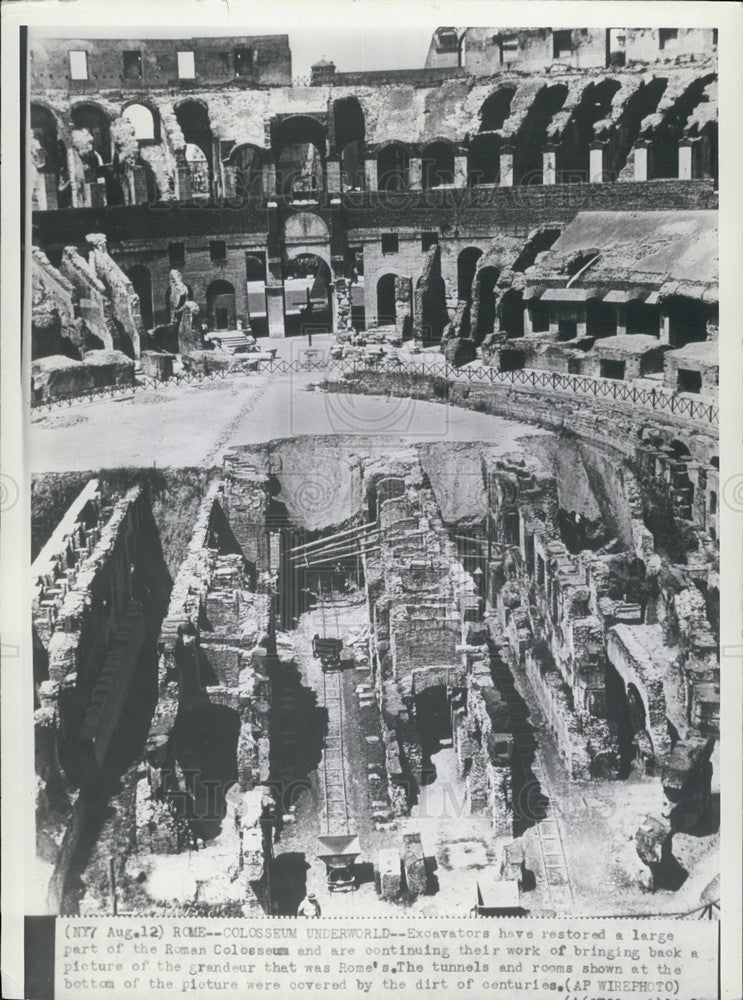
[[580, 386]]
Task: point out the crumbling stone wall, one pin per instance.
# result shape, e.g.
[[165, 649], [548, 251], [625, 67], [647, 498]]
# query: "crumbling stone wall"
[[57, 376], [422, 609], [214, 645], [431, 315], [54, 324], [94, 303], [403, 307], [124, 300], [89, 628]]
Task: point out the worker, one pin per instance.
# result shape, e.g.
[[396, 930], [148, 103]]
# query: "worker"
[[309, 907]]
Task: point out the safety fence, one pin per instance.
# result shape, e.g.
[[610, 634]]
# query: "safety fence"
[[577, 386]]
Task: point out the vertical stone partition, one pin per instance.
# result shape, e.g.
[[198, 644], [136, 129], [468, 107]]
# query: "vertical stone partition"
[[124, 300], [216, 644]]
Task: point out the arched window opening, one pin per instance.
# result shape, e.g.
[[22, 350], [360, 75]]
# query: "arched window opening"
[[495, 109], [437, 162], [308, 296], [665, 137], [485, 282], [386, 304], [247, 163], [393, 163], [512, 314], [299, 143], [49, 154], [466, 266], [643, 102], [532, 137], [193, 119], [145, 123], [483, 161], [350, 134], [574, 154], [95, 121], [199, 169], [220, 305]]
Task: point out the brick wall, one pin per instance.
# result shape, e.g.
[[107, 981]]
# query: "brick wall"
[[214, 62]]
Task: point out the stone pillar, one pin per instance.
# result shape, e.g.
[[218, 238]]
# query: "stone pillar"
[[403, 307], [686, 160], [72, 161], [342, 322], [333, 175], [370, 173], [415, 173], [140, 195], [596, 163], [549, 165], [229, 181], [275, 309], [621, 320], [40, 191], [460, 171], [641, 156], [506, 166], [665, 328], [97, 196], [269, 179], [185, 190], [581, 324]]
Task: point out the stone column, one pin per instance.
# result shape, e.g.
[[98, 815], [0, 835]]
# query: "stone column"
[[506, 166], [342, 322], [275, 309], [184, 188], [596, 163], [621, 320], [72, 161], [139, 186], [641, 156], [403, 307], [229, 180], [686, 160], [549, 165], [460, 171], [40, 190], [370, 173], [269, 179], [415, 173], [97, 197], [665, 328], [581, 317], [333, 175]]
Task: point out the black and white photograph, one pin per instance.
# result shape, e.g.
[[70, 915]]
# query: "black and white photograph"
[[373, 444]]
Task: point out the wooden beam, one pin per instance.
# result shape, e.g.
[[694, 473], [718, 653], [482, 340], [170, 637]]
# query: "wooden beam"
[[329, 538], [336, 558], [349, 545]]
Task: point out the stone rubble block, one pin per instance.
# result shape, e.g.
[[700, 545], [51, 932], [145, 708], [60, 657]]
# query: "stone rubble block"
[[414, 864], [390, 874]]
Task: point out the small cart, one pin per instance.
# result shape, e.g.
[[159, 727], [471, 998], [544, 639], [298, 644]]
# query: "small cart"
[[328, 651], [339, 855]]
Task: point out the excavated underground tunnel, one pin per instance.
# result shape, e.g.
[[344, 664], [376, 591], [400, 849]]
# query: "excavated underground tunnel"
[[457, 653]]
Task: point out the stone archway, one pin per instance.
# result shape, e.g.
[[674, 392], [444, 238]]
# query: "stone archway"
[[386, 302], [308, 295], [220, 305]]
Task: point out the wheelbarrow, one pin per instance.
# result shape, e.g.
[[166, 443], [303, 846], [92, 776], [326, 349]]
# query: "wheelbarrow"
[[339, 854]]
